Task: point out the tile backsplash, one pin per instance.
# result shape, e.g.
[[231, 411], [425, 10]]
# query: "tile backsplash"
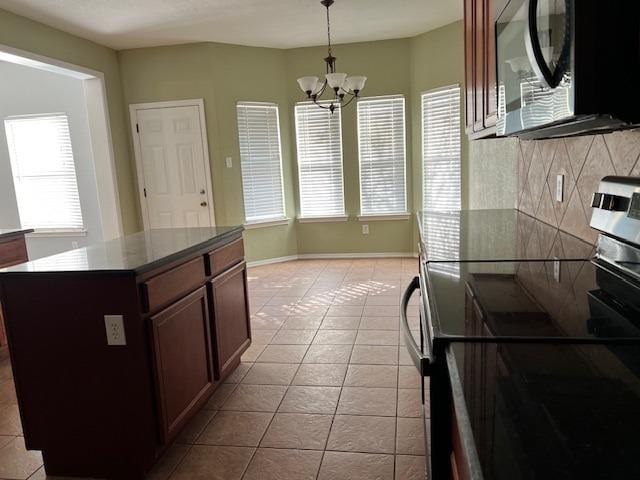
[[583, 161]]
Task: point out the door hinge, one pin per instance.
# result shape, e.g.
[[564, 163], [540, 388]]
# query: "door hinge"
[[137, 128], [144, 191]]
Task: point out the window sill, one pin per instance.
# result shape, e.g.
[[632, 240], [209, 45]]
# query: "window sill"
[[336, 218], [266, 223], [384, 217], [58, 232]]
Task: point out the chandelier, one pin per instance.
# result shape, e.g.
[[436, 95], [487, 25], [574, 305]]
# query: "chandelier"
[[343, 87]]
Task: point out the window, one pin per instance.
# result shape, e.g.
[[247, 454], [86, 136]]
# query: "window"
[[441, 168], [260, 161], [44, 173], [319, 141], [381, 149]]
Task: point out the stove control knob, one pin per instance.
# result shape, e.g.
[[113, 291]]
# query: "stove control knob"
[[596, 200], [609, 202]]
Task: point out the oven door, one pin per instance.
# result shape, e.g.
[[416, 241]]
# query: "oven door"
[[534, 45]]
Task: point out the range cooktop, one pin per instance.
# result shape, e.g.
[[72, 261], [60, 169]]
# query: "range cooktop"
[[494, 235], [559, 300]]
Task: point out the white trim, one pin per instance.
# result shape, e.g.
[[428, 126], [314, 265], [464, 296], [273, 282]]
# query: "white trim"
[[58, 232], [269, 261], [99, 126], [266, 223], [336, 218], [327, 256], [390, 216], [133, 116]]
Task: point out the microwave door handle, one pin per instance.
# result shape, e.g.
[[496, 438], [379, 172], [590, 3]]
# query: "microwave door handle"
[[534, 51]]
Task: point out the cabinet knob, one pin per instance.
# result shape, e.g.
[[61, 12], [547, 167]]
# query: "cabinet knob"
[[203, 204]]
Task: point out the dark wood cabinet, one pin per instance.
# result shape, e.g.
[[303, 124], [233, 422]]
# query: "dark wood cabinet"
[[481, 103], [230, 317], [183, 361], [13, 250], [118, 407]]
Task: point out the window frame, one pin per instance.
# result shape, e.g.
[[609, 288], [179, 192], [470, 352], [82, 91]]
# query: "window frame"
[[401, 215], [80, 230], [276, 220], [320, 218]]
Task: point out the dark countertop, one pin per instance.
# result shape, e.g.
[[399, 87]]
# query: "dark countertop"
[[11, 233], [560, 300], [504, 234], [544, 411], [136, 253]]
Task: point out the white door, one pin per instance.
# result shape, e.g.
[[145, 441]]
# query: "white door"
[[174, 167]]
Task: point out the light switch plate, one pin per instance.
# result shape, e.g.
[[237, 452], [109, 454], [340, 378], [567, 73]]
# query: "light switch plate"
[[365, 229], [229, 162], [560, 188], [114, 325]]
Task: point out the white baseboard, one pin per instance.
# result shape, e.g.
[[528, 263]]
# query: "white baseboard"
[[319, 256]]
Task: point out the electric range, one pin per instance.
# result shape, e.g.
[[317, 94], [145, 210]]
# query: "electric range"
[[534, 363]]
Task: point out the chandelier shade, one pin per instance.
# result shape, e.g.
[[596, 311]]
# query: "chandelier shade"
[[343, 87]]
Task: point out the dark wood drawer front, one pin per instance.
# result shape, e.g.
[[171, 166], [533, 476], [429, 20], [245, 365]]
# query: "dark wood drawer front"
[[225, 257], [13, 252], [230, 317], [173, 284], [183, 361]]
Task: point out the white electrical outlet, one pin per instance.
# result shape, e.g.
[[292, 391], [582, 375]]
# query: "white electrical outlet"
[[74, 244], [114, 325], [365, 229], [556, 269], [229, 162], [560, 188]]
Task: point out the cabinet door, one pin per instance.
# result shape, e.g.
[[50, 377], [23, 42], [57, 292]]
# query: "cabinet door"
[[469, 69], [183, 361], [479, 65], [230, 317], [490, 87]]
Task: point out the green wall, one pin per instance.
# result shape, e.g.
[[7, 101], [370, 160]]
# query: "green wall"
[[25, 34], [222, 75], [225, 74]]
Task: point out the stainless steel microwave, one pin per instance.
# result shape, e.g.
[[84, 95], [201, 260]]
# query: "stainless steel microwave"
[[567, 67]]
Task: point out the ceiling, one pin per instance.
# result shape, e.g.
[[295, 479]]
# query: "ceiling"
[[124, 24]]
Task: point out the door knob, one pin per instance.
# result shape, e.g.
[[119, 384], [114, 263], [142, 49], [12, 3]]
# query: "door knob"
[[203, 204]]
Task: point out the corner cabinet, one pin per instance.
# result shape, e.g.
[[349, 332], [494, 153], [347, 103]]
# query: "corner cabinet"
[[481, 99]]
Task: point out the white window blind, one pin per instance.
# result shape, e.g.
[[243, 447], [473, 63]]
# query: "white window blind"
[[44, 172], [441, 166], [319, 142], [381, 149], [260, 161]]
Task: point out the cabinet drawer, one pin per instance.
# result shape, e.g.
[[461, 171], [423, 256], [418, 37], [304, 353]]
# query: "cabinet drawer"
[[13, 252], [224, 257], [173, 284]]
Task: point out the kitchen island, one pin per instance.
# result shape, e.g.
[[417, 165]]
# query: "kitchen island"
[[13, 250], [116, 346]]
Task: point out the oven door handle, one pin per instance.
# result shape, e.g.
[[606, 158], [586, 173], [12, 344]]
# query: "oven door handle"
[[422, 361]]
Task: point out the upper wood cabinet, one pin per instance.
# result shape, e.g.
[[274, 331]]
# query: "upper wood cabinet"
[[481, 101]]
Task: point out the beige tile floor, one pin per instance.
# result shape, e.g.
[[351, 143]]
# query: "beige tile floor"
[[326, 391]]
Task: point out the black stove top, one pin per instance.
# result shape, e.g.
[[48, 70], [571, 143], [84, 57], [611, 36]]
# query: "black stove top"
[[559, 301], [492, 235]]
